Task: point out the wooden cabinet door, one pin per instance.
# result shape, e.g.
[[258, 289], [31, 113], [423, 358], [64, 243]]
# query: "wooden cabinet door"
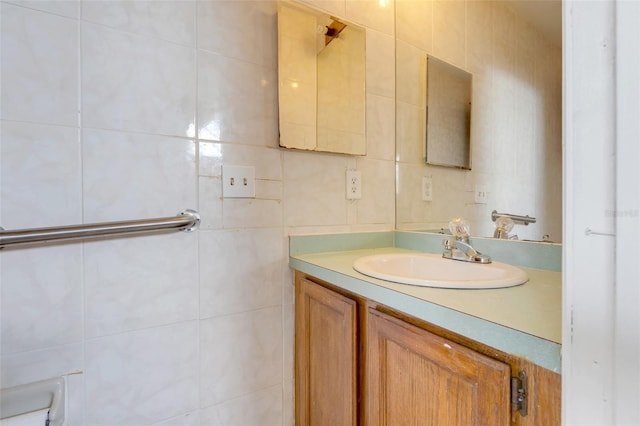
[[414, 377], [326, 354]]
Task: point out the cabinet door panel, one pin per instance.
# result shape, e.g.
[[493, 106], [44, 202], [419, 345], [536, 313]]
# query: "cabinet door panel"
[[418, 378], [326, 353]]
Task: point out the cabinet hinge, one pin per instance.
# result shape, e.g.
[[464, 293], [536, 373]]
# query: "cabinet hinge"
[[519, 393]]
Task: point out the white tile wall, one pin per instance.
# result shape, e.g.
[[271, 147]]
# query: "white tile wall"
[[115, 110]]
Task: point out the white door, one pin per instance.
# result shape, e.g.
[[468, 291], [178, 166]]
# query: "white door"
[[601, 265]]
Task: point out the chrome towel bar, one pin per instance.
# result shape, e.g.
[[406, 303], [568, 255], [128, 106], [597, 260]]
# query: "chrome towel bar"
[[187, 221], [524, 220]]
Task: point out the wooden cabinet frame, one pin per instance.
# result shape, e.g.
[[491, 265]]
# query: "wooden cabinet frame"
[[543, 389]]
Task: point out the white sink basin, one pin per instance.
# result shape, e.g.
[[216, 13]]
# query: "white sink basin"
[[432, 270]]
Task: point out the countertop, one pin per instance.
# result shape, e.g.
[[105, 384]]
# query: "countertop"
[[524, 320]]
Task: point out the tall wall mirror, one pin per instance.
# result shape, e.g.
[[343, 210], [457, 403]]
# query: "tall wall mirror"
[[516, 119], [448, 135], [321, 81]]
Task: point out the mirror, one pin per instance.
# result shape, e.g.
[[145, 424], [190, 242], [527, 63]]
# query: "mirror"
[[321, 81], [516, 119], [448, 93]]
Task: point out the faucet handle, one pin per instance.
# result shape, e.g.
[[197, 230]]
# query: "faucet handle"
[[460, 229]]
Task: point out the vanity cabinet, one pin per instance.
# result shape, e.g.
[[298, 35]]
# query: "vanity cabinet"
[[360, 362]]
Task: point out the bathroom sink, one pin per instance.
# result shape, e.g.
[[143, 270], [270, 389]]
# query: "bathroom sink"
[[432, 270]]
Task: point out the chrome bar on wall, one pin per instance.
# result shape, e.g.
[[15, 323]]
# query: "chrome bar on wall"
[[187, 221], [524, 220]]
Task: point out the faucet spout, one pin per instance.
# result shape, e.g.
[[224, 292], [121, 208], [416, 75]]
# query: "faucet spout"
[[459, 250]]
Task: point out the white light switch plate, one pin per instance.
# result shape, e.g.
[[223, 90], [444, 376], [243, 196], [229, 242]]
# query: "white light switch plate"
[[238, 181], [480, 194]]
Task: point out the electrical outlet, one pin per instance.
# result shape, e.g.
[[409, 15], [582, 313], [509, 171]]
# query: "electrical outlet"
[[238, 181], [354, 185], [427, 188], [480, 195]]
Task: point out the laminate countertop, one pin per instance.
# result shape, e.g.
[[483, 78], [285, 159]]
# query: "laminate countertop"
[[524, 320]]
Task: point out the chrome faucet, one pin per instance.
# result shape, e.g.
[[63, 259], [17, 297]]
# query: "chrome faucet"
[[460, 248]]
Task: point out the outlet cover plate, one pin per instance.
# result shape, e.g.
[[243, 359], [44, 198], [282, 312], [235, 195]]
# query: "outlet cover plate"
[[238, 181], [354, 185], [427, 188]]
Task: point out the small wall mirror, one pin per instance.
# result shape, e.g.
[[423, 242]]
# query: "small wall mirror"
[[321, 81], [448, 115]]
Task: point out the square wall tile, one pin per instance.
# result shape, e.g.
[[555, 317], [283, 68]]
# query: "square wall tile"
[[41, 297], [137, 83], [135, 283], [479, 38], [378, 187], [142, 377], [240, 271], [40, 171], [504, 37], [136, 176], [411, 133], [411, 85], [381, 127], [374, 14], [172, 20], [237, 101], [245, 30], [210, 203], [314, 189], [380, 64], [39, 66], [449, 32], [240, 354], [210, 158], [260, 408], [414, 23], [410, 209]]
